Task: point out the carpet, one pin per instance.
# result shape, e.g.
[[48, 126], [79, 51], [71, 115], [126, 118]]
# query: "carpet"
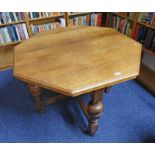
[[128, 117]]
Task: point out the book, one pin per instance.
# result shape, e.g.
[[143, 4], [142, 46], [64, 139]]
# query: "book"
[[25, 31], [135, 34], [1, 40], [15, 17], [144, 32], [98, 19], [63, 22], [18, 35], [92, 19], [12, 17]]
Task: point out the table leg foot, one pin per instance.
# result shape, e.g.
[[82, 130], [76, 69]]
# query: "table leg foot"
[[36, 93], [107, 89], [95, 108]]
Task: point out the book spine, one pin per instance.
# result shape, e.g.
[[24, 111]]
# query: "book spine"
[[21, 15], [4, 17], [9, 32], [15, 33], [3, 35], [31, 15], [99, 20], [8, 17], [14, 15], [7, 35], [1, 39], [16, 29]]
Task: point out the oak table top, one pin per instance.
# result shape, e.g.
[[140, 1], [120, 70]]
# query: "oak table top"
[[77, 60]]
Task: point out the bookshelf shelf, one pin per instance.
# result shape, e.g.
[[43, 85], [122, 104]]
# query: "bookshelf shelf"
[[12, 23], [50, 17], [149, 26], [78, 14], [11, 43], [117, 14]]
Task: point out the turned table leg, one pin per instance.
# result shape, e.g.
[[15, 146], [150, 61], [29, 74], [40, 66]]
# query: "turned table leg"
[[36, 93], [95, 108]]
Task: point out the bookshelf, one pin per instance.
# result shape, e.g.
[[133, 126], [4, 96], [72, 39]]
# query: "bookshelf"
[[127, 19], [12, 23], [123, 16], [147, 25], [147, 75], [78, 14], [6, 49]]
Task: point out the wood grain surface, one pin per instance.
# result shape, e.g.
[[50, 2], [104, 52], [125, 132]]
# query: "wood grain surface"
[[77, 60]]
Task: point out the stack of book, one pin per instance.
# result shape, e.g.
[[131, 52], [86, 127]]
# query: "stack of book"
[[45, 27], [120, 24], [145, 17], [145, 36], [96, 19], [13, 33], [80, 20], [9, 17], [33, 15]]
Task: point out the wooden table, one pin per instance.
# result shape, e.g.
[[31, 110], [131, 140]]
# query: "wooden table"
[[74, 61]]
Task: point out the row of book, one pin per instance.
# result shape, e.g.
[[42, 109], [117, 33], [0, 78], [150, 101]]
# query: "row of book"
[[145, 36], [96, 19], [120, 24], [33, 15], [93, 20], [9, 17], [80, 20], [145, 17], [45, 27], [131, 15], [13, 33]]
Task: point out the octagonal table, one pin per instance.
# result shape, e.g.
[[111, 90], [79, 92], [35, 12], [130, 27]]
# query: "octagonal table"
[[74, 61]]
